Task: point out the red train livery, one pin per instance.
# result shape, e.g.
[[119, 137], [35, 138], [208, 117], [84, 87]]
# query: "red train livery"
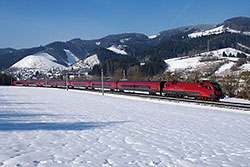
[[204, 90]]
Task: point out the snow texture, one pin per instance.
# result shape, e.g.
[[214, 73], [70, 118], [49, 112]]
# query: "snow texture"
[[70, 57], [153, 36], [243, 46], [192, 63], [228, 51], [236, 31], [183, 63], [235, 100], [245, 67], [87, 63], [117, 50], [92, 61], [225, 68], [41, 61], [59, 128], [124, 40], [232, 30], [217, 30]]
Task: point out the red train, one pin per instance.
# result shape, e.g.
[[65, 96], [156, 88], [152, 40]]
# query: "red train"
[[204, 90]]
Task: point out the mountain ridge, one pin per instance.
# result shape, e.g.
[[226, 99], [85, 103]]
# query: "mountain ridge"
[[141, 48]]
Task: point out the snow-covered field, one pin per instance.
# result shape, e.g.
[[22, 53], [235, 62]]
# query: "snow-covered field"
[[55, 127]]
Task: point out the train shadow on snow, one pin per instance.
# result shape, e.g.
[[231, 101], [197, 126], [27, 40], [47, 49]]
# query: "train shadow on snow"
[[7, 123], [54, 126], [13, 119]]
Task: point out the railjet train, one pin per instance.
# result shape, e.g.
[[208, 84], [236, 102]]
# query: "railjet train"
[[203, 91]]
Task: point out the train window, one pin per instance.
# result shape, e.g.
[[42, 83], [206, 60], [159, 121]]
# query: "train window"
[[105, 85], [137, 86], [217, 87], [128, 86], [208, 87], [143, 86]]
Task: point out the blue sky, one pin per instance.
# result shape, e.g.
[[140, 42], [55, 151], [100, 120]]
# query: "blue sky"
[[30, 23]]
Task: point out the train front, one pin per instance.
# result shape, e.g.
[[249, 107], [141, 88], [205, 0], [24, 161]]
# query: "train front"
[[217, 90]]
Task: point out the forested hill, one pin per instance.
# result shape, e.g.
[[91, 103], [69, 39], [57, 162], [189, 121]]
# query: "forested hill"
[[190, 46], [138, 53]]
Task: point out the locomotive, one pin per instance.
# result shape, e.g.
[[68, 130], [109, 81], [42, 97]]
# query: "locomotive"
[[202, 91]]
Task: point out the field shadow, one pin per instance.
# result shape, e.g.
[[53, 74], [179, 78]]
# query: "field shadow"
[[15, 102], [54, 126], [18, 115]]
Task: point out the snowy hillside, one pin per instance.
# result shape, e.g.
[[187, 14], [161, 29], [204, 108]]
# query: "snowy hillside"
[[117, 49], [59, 128], [70, 57], [207, 60], [228, 51], [40, 61], [245, 67], [87, 63], [214, 31], [32, 66], [153, 36]]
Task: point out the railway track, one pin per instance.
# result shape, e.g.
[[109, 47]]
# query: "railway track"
[[229, 105]]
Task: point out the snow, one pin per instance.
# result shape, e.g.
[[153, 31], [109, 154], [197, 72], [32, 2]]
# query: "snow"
[[225, 68], [236, 31], [195, 62], [228, 51], [92, 61], [70, 57], [124, 40], [98, 43], [246, 33], [55, 127], [232, 30], [243, 46], [245, 67], [38, 61], [217, 30], [117, 49], [235, 100], [153, 36], [183, 63], [87, 63]]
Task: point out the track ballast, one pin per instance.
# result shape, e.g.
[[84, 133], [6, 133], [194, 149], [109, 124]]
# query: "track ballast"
[[229, 105]]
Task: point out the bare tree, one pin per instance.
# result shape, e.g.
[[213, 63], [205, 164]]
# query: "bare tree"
[[244, 85], [230, 84]]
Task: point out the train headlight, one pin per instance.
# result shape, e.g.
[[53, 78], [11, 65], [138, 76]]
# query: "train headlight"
[[212, 96]]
